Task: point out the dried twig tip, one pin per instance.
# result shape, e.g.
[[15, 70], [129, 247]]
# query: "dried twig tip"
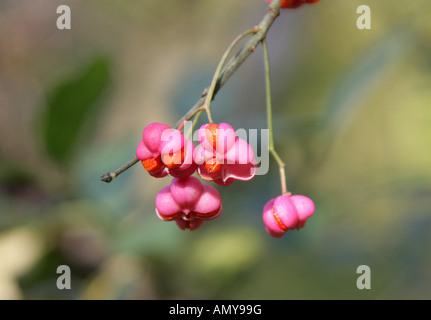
[[108, 177]]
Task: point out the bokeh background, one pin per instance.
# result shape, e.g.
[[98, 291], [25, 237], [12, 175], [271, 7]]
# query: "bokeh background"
[[352, 112]]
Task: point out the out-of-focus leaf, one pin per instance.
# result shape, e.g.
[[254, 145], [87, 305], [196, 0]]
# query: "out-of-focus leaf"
[[20, 249], [13, 175], [353, 85], [231, 251], [69, 105]]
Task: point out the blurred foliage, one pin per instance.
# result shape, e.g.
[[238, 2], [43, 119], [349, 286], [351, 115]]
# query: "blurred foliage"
[[352, 121], [68, 106]]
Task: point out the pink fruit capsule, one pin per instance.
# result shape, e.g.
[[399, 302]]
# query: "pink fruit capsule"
[[222, 157], [164, 150], [188, 202], [279, 215], [305, 208]]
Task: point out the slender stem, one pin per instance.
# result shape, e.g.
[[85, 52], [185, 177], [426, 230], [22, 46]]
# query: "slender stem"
[[188, 134], [181, 126], [210, 93], [230, 68], [109, 176], [274, 153], [268, 94], [242, 55], [208, 111]]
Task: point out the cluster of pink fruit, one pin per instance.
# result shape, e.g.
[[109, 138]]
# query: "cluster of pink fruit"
[[220, 157]]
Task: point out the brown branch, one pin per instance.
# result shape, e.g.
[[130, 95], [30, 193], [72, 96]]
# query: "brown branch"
[[109, 176], [234, 63]]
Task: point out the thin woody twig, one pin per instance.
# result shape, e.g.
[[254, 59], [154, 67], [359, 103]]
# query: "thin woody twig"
[[210, 92], [109, 176], [233, 64], [242, 55]]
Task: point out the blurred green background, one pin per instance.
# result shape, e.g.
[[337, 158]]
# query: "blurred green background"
[[352, 112]]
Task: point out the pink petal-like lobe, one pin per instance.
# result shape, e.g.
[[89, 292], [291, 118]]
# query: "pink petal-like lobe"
[[305, 208], [152, 136], [166, 207], [186, 192], [209, 205]]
